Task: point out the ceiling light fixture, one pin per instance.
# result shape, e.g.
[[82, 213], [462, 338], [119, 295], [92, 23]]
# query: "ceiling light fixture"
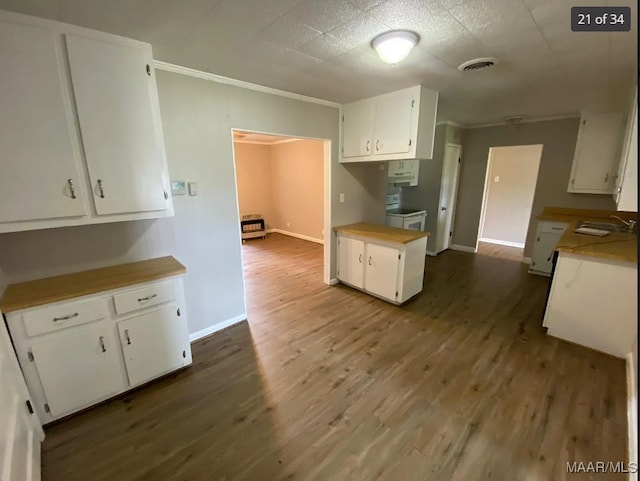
[[394, 46]]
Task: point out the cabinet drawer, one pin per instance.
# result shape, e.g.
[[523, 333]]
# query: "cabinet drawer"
[[552, 227], [53, 318], [146, 297]]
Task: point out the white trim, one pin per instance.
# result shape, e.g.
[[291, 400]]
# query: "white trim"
[[526, 260], [298, 236], [452, 123], [502, 243], [458, 247], [632, 413], [432, 253], [216, 327], [334, 281], [169, 67], [260, 142], [327, 232], [525, 121]]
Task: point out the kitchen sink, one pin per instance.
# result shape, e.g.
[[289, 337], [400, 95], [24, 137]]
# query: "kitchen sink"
[[608, 226]]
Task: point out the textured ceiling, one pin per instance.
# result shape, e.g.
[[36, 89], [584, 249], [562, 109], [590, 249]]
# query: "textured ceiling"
[[321, 48]]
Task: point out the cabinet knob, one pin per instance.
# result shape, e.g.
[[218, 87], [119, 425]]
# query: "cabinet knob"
[[360, 258], [377, 145], [370, 260], [100, 189], [104, 349], [443, 208], [367, 146], [72, 188]]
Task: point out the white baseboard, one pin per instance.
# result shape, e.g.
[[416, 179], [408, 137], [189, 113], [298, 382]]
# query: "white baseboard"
[[457, 247], [432, 253], [297, 236], [526, 260], [333, 282], [502, 243], [632, 413], [217, 327]]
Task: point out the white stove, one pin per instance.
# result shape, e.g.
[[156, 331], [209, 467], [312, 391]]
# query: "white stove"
[[411, 219]]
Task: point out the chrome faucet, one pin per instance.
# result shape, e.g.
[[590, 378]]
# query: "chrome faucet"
[[631, 224]]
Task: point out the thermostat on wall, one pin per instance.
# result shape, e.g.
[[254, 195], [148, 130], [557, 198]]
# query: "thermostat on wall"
[[178, 187]]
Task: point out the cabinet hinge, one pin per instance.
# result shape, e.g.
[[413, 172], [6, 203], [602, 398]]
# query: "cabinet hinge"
[[409, 142], [178, 312], [584, 122], [396, 293], [413, 102], [343, 118], [166, 195], [184, 354], [399, 256], [30, 356], [533, 263], [47, 409], [148, 70], [29, 406], [458, 159], [450, 233]]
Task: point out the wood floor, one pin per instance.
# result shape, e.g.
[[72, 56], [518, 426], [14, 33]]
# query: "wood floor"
[[327, 383]]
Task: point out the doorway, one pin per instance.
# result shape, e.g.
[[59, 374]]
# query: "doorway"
[[510, 184], [448, 194], [284, 181]]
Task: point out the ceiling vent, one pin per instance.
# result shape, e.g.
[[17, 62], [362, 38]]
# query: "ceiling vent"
[[478, 64]]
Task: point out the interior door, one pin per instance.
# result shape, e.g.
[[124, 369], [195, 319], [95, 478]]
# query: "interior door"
[[39, 177], [381, 270], [154, 343], [392, 123], [20, 429], [356, 129], [448, 193], [113, 87], [351, 261], [78, 368]]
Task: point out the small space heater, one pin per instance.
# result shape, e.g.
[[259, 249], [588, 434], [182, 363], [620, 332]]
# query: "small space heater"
[[252, 226]]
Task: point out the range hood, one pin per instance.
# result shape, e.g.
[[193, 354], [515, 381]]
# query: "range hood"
[[403, 172]]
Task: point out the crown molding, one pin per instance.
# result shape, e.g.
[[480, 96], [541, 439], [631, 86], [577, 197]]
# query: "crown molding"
[[526, 121], [190, 72], [452, 123]]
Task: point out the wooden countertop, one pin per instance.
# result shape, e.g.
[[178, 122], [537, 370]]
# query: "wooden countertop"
[[620, 246], [382, 232], [68, 286]]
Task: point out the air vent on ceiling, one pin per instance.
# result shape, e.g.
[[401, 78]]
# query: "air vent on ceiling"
[[478, 64]]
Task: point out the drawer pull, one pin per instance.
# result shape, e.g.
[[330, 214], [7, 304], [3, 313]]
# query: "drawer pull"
[[65, 318], [104, 349], [556, 228], [126, 335], [148, 298]]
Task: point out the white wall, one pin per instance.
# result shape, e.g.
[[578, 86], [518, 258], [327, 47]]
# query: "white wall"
[[511, 185], [198, 116]]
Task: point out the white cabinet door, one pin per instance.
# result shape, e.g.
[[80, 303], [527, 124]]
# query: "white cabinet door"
[[78, 369], [154, 344], [392, 123], [351, 261], [114, 90], [20, 430], [356, 129], [596, 155], [381, 271], [542, 257], [39, 177]]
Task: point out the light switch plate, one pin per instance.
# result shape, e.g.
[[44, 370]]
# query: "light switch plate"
[[193, 188], [178, 187]]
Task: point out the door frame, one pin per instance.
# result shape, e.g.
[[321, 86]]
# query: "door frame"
[[455, 192], [485, 193], [327, 238]]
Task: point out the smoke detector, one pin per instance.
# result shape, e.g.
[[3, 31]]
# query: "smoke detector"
[[514, 120], [477, 64]]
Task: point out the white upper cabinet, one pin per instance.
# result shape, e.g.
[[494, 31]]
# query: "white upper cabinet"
[[39, 168], [357, 120], [80, 128], [112, 86], [626, 191], [596, 156], [394, 126]]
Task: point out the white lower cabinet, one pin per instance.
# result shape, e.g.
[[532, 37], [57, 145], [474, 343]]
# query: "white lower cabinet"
[[80, 352], [388, 270], [154, 344], [548, 235], [78, 367]]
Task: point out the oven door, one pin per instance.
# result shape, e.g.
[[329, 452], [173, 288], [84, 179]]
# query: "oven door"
[[414, 223]]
